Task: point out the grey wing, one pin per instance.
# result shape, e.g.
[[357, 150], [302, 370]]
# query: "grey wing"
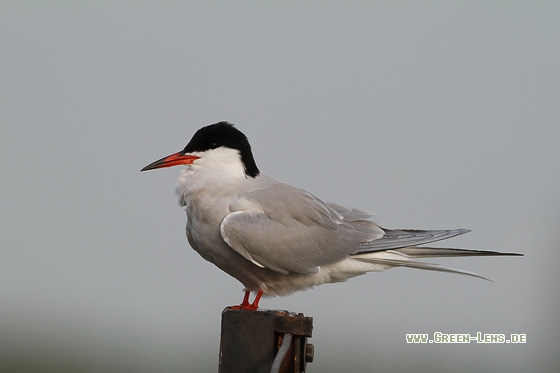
[[294, 232], [400, 238], [350, 213]]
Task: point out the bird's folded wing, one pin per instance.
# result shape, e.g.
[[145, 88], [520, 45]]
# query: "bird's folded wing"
[[282, 248], [293, 231]]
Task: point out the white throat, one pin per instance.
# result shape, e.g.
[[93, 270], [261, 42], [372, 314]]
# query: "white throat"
[[215, 170]]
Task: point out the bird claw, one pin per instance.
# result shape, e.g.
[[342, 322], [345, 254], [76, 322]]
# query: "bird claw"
[[245, 305]]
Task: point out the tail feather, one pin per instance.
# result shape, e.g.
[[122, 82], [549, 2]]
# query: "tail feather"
[[403, 258]]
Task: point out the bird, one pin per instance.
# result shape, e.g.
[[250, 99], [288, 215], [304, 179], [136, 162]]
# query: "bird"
[[277, 239]]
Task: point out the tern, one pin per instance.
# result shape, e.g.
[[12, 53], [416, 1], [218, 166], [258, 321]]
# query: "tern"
[[277, 239]]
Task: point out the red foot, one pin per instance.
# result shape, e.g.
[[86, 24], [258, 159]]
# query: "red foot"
[[245, 305]]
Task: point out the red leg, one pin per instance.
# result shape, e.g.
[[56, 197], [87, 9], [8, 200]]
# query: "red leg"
[[255, 304], [245, 305]]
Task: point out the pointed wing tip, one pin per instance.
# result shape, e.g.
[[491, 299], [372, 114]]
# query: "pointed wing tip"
[[426, 252], [461, 231], [492, 253]]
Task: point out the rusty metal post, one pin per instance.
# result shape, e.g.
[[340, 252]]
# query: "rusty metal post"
[[250, 340]]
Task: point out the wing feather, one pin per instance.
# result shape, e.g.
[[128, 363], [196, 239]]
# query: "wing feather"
[[294, 231], [400, 238]]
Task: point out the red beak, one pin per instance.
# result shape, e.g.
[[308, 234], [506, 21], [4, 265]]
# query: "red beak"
[[171, 160]]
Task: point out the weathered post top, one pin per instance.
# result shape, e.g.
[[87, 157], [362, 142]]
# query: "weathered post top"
[[250, 341]]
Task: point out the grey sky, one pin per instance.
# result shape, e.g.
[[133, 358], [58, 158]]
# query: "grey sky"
[[432, 115]]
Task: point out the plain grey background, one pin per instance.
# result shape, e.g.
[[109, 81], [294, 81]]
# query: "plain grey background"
[[432, 115]]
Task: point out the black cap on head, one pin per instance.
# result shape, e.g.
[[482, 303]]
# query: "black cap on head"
[[224, 134]]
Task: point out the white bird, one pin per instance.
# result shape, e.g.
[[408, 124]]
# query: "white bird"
[[275, 238]]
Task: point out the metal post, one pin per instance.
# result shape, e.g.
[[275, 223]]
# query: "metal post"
[[250, 340]]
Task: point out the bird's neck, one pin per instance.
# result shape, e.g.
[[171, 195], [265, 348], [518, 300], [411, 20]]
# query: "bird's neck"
[[214, 173]]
